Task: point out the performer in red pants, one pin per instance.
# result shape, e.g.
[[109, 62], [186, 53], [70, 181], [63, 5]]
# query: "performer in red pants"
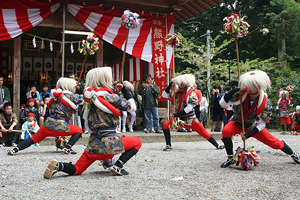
[[257, 110], [282, 109], [62, 105], [296, 119], [101, 113], [186, 99]]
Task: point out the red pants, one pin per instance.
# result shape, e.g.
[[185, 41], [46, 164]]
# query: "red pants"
[[45, 132], [198, 127], [86, 159], [264, 136], [287, 119], [295, 127]]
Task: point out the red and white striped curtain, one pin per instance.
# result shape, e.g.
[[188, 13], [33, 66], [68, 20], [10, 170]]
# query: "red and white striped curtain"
[[18, 16], [107, 25], [135, 69], [117, 72]]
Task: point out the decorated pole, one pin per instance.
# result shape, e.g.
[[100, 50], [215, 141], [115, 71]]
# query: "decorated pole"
[[129, 20], [239, 28], [88, 47], [173, 41]]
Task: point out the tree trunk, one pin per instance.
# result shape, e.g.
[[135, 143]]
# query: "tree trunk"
[[282, 49]]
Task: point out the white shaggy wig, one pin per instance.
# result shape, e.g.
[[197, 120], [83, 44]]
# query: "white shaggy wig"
[[297, 108], [67, 84], [129, 86], [99, 77], [186, 79], [255, 81], [284, 92]]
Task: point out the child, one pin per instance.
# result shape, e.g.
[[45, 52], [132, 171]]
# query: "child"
[[30, 126], [34, 94], [30, 108], [44, 93], [44, 110], [8, 120]]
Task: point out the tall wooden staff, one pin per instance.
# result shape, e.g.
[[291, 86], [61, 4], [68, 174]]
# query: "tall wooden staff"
[[173, 41], [88, 47], [130, 20], [239, 28]]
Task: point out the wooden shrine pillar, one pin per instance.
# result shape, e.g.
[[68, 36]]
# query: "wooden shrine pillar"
[[16, 75], [99, 54]]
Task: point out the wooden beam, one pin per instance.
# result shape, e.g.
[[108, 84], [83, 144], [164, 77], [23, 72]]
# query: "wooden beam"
[[99, 54], [199, 7], [194, 11], [178, 17], [207, 6], [16, 75]]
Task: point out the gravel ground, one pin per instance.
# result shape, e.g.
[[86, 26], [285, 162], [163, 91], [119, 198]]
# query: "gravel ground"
[[191, 171]]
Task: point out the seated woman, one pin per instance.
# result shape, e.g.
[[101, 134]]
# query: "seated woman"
[[8, 121]]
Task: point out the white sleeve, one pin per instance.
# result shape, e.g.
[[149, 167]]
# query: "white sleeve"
[[261, 124], [277, 105], [165, 95], [223, 103], [188, 108]]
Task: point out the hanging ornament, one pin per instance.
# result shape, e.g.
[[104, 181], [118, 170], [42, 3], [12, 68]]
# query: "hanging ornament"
[[42, 44], [72, 48], [236, 25], [34, 42], [172, 40], [130, 19], [51, 46], [89, 46], [290, 88]]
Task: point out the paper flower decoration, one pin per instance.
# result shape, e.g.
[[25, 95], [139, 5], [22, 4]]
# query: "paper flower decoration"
[[172, 40], [89, 46], [130, 19], [235, 25], [176, 123], [290, 88], [246, 158]]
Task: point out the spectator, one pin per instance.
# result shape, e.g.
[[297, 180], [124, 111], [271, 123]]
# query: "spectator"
[[8, 122], [203, 110], [44, 93], [4, 94], [149, 92], [44, 110], [218, 112], [130, 88], [199, 95], [79, 87], [30, 127], [30, 108], [34, 94]]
